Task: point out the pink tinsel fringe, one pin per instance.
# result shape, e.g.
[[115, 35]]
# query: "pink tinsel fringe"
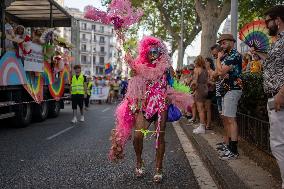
[[183, 101], [122, 132]]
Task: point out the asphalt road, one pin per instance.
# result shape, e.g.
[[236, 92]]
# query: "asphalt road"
[[58, 154]]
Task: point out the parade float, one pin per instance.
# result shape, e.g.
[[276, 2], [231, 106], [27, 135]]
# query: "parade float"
[[35, 61]]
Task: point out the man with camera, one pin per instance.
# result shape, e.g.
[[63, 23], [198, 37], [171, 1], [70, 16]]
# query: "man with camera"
[[273, 82]]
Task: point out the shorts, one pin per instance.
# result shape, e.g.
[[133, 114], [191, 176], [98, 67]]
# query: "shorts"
[[77, 100], [230, 103]]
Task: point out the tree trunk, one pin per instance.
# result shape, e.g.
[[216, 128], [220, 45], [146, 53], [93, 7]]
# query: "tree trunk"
[[211, 16], [208, 35], [180, 57]]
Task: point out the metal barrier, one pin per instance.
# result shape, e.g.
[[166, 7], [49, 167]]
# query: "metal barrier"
[[252, 130]]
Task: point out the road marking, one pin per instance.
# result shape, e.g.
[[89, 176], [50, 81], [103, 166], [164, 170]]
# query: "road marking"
[[202, 175], [59, 133], [105, 109]]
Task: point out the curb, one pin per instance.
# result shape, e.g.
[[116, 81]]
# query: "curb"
[[220, 171]]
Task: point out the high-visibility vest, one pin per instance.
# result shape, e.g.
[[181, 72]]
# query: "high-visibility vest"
[[90, 84], [78, 84]]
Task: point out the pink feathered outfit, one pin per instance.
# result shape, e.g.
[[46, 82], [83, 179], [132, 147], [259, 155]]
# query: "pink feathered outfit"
[[147, 92]]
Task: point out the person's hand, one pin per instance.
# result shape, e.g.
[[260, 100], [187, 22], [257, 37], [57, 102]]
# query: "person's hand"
[[252, 50], [220, 54], [278, 101]]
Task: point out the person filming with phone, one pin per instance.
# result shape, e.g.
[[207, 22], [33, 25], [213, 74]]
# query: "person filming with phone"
[[273, 82]]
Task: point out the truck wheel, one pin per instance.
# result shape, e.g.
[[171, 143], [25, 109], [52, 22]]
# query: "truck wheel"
[[54, 108], [23, 115], [41, 111]]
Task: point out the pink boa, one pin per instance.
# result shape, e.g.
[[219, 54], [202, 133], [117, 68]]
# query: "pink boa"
[[122, 132]]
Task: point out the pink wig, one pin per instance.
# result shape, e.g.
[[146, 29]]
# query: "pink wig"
[[157, 68]]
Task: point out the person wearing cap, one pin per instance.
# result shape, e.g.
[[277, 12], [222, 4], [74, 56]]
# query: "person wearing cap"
[[230, 69], [78, 93], [273, 82], [89, 90]]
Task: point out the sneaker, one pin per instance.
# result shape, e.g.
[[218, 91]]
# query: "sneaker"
[[82, 119], [229, 156], [220, 144], [74, 120], [224, 150], [199, 130]]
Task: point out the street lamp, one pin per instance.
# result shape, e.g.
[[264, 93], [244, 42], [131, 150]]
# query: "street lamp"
[[92, 62], [234, 19]]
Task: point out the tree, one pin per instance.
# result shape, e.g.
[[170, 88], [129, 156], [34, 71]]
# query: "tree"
[[163, 19], [250, 10], [212, 13]]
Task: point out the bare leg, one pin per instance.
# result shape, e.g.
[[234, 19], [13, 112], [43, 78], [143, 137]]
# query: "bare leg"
[[161, 144], [193, 111], [208, 113], [138, 139], [201, 111]]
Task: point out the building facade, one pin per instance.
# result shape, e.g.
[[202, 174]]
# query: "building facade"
[[94, 43]]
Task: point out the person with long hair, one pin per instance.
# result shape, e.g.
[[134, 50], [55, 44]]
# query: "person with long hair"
[[200, 87], [211, 88]]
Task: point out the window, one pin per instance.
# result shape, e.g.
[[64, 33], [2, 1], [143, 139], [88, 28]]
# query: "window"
[[84, 47], [94, 38], [94, 49], [94, 27], [102, 29], [102, 60], [102, 39], [83, 59], [102, 49], [94, 59], [84, 26], [84, 37]]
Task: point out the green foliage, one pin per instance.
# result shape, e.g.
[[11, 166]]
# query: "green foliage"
[[253, 101], [250, 10]]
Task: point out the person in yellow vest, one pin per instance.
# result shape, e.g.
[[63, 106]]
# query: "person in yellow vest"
[[78, 93], [89, 91]]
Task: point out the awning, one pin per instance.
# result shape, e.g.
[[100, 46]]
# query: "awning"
[[37, 13]]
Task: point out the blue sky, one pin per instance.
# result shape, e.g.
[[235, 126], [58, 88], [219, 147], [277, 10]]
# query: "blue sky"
[[82, 3]]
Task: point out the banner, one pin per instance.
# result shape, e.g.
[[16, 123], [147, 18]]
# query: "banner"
[[34, 61], [99, 93]]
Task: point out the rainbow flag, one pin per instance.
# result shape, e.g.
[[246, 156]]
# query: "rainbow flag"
[[108, 68]]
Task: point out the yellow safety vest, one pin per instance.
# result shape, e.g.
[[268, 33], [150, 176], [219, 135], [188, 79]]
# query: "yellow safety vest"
[[78, 84], [90, 84]]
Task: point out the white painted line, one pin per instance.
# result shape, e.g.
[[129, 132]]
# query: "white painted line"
[[105, 109], [202, 175], [59, 133]]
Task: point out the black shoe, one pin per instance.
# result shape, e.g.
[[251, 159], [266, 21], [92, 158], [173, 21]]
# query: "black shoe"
[[229, 156]]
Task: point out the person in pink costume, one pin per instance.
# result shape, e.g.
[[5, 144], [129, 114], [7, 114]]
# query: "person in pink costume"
[[146, 101]]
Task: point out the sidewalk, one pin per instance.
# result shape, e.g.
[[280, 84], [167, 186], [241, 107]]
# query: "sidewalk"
[[232, 174]]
